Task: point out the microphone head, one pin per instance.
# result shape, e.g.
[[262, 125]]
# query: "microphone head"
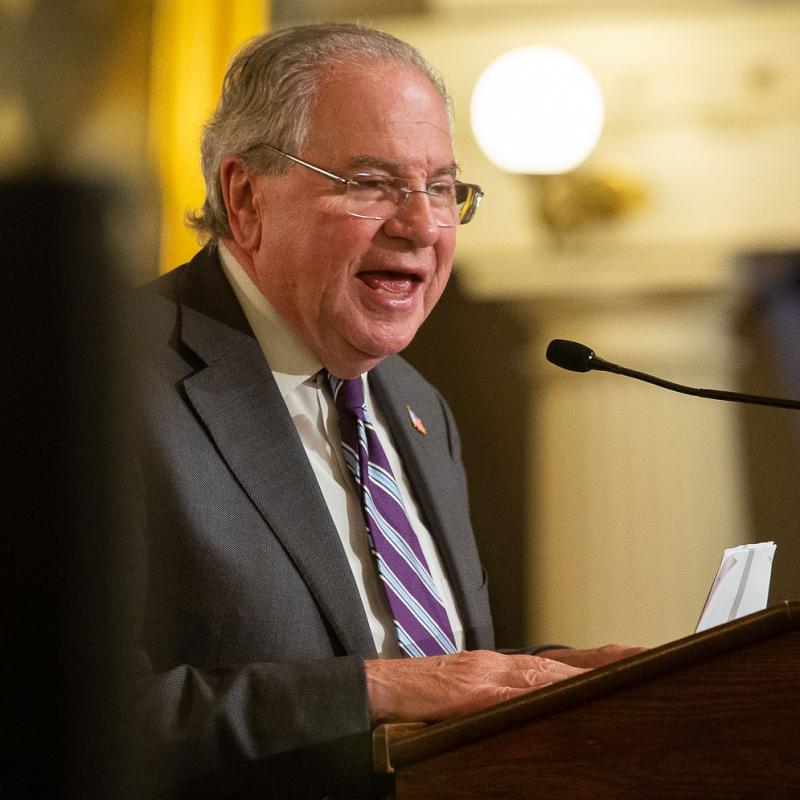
[[570, 355]]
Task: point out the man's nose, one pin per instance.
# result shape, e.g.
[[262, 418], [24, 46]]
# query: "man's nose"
[[415, 219]]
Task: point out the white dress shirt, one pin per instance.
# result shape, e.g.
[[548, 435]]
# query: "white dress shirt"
[[304, 388]]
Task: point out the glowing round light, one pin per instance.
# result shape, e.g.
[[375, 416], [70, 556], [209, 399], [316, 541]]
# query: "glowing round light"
[[537, 110]]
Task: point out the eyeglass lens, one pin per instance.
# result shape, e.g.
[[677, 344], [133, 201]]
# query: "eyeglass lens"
[[378, 197]]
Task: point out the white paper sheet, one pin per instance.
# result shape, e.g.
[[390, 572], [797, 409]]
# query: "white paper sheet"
[[741, 585]]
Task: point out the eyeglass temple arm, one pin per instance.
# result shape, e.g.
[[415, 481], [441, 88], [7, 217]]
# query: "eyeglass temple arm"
[[302, 163]]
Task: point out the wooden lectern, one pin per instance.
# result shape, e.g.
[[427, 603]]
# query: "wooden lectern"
[[714, 715]]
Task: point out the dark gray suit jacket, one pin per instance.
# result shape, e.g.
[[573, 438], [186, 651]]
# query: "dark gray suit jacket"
[[252, 633]]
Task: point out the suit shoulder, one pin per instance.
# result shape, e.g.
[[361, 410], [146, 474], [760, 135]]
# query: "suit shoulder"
[[151, 311], [399, 372], [157, 302]]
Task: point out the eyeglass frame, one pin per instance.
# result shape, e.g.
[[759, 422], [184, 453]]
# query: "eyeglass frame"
[[474, 192]]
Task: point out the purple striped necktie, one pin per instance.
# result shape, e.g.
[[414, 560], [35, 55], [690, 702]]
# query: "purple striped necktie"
[[420, 618]]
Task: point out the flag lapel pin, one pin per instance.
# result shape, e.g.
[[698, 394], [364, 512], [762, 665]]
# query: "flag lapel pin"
[[416, 422]]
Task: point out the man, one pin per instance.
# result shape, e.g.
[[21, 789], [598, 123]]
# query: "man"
[[271, 631]]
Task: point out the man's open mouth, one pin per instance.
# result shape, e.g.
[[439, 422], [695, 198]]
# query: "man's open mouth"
[[391, 283]]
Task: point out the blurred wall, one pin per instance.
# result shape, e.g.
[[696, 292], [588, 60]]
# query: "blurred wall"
[[770, 328], [73, 103], [75, 200]]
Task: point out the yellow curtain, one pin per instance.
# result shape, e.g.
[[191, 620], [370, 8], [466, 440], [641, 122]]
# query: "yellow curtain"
[[192, 42]]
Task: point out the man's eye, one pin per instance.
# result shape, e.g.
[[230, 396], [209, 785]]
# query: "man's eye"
[[372, 182], [444, 189]]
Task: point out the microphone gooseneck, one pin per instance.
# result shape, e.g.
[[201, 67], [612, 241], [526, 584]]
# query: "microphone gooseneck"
[[580, 358]]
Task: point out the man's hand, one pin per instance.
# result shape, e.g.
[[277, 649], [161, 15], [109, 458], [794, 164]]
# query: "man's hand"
[[438, 687], [596, 657]]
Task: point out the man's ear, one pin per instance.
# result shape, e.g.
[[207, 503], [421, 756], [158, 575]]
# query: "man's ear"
[[239, 192]]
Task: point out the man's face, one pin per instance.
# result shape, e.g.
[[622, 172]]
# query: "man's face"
[[356, 290]]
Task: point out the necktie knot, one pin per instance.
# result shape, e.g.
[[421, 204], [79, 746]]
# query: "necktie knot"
[[347, 394]]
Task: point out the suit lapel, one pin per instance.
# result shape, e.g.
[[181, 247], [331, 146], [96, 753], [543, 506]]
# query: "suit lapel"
[[238, 400]]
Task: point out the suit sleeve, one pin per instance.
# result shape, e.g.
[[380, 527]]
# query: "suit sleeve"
[[256, 729], [239, 731]]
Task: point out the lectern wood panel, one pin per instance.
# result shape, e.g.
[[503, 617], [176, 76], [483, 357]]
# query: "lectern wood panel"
[[721, 720]]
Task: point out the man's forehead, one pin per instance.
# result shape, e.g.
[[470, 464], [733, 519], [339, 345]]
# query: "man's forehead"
[[360, 84], [385, 116]]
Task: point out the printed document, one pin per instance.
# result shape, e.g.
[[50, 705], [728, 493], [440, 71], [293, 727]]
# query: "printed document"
[[741, 585]]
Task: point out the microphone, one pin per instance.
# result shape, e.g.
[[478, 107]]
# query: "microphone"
[[580, 358]]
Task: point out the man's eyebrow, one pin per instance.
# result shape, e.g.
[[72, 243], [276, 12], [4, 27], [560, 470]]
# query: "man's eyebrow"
[[393, 167]]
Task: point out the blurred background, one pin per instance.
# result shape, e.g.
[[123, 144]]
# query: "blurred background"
[[601, 505]]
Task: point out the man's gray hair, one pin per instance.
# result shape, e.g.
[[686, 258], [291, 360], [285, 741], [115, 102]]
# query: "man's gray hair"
[[268, 97]]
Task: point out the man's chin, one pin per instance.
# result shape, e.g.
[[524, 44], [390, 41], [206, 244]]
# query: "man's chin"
[[389, 346], [362, 355]]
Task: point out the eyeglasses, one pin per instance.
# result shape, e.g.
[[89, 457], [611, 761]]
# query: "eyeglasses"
[[376, 196]]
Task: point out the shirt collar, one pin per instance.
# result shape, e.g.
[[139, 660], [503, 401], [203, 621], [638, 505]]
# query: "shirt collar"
[[291, 362]]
